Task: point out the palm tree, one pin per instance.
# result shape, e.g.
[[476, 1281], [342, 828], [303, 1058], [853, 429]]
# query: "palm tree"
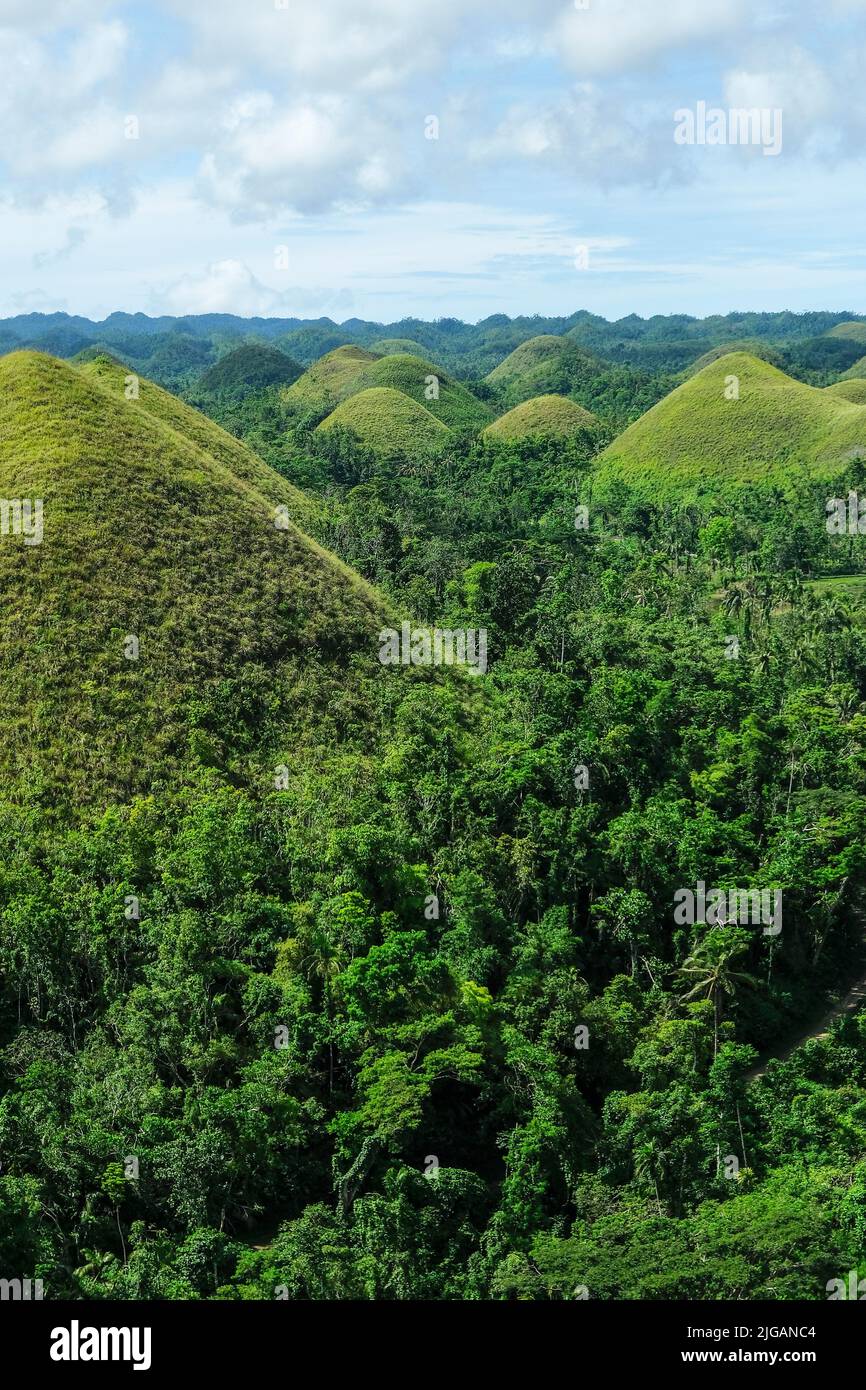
[[321, 959], [710, 966], [734, 600], [648, 1163]]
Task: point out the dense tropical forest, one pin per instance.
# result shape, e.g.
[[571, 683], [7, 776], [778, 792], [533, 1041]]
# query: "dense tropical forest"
[[325, 979]]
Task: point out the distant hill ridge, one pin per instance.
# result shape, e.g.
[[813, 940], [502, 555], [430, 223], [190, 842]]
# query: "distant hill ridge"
[[175, 349]]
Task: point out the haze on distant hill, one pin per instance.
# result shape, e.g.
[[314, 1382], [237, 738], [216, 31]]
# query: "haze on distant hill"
[[251, 367], [176, 349]]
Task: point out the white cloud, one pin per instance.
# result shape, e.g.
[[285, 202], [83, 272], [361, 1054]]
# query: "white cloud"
[[229, 287], [820, 117], [614, 36], [308, 156], [54, 117], [584, 134], [48, 14], [336, 45]]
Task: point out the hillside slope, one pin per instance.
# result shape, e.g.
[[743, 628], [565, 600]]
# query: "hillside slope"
[[697, 439], [350, 370], [427, 384], [854, 331], [543, 365], [251, 638], [205, 434], [386, 421], [851, 389], [328, 381]]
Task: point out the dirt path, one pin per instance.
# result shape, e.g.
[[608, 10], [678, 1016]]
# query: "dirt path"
[[855, 999]]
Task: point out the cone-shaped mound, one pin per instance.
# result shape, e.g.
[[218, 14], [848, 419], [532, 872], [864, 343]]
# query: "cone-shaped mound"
[[350, 370], [387, 422], [554, 417], [204, 433], [165, 616], [392, 345], [853, 389], [737, 422], [329, 380], [854, 331], [543, 365], [432, 388], [251, 367], [753, 348]]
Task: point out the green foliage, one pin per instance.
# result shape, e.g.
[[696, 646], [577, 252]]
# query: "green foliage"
[[417, 1021], [249, 368]]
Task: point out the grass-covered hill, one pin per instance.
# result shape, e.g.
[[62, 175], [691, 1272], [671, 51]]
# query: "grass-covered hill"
[[698, 439], [392, 345], [541, 366], [388, 958], [854, 331], [439, 393], [558, 365], [753, 347], [851, 389], [857, 372], [329, 380], [252, 367], [205, 434], [552, 417], [350, 370], [252, 639], [387, 421]]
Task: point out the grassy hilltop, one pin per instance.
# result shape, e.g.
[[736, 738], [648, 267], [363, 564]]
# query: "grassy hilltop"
[[701, 438], [553, 417], [386, 420], [540, 366], [853, 389], [284, 995], [329, 380], [156, 525], [347, 372], [224, 448]]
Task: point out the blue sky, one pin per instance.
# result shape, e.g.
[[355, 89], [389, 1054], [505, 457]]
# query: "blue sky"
[[282, 164]]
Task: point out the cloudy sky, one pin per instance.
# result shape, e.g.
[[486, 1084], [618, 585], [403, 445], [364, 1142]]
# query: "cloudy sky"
[[275, 157]]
